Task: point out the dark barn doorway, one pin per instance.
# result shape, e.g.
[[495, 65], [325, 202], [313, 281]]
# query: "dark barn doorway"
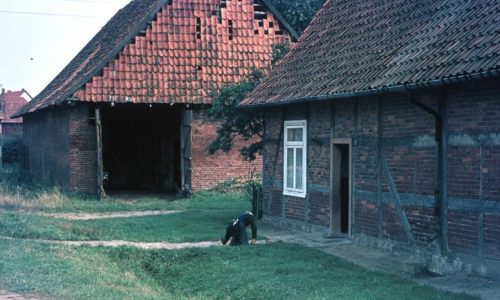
[[341, 186], [141, 148]]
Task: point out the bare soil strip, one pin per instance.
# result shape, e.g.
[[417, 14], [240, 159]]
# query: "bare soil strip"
[[111, 215], [5, 295], [147, 246], [141, 245]]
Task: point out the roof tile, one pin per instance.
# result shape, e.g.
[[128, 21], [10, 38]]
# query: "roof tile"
[[358, 45], [10, 102], [161, 62]]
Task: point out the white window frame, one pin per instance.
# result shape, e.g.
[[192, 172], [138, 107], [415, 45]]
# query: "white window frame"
[[300, 124]]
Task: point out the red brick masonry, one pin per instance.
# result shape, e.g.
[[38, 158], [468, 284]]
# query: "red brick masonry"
[[406, 139]]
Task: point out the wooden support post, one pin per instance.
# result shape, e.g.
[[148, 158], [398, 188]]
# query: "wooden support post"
[[442, 131], [186, 160], [399, 206], [100, 167], [308, 137], [380, 201], [353, 170], [332, 175]]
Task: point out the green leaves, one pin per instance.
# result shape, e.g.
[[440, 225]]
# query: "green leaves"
[[248, 123], [235, 121], [298, 13]]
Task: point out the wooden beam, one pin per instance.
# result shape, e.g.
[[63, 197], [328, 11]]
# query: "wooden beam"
[[399, 206], [442, 133], [186, 160], [332, 175], [380, 202], [100, 166], [308, 151]]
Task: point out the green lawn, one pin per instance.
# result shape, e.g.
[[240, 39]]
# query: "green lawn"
[[272, 271], [201, 218]]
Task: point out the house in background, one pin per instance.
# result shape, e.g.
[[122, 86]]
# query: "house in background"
[[131, 107], [383, 123], [10, 103]]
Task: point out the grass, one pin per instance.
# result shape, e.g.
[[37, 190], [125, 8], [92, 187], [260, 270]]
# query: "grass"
[[272, 271], [202, 218]]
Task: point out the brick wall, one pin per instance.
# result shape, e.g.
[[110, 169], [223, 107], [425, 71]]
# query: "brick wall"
[[82, 150], [208, 170], [272, 177], [45, 137], [12, 129], [61, 148], [404, 136]]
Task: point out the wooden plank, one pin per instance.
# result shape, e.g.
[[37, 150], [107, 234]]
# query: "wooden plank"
[[442, 135], [380, 201], [308, 151], [186, 160], [399, 206], [100, 165], [332, 175]]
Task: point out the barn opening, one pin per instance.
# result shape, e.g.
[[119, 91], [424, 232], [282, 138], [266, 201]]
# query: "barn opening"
[[341, 186], [141, 148]]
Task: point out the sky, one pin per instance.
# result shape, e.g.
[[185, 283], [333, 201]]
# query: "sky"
[[38, 38]]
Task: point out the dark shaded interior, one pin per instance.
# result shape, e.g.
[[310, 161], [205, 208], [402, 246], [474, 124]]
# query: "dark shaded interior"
[[344, 189], [340, 188], [141, 148]]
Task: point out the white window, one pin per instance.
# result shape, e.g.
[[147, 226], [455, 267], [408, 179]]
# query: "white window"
[[294, 174]]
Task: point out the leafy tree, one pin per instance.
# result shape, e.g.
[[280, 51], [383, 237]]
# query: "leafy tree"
[[298, 13], [278, 51], [248, 124], [235, 122]]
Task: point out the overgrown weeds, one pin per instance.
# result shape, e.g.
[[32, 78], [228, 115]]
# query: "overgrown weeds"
[[24, 197], [241, 184]]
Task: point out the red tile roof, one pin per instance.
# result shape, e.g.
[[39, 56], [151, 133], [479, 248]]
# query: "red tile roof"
[[11, 102], [358, 47], [158, 51]]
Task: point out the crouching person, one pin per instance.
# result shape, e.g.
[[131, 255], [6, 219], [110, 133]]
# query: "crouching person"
[[236, 230]]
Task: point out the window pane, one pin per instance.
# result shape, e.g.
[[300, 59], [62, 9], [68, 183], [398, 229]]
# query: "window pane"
[[295, 135], [289, 168], [298, 169]]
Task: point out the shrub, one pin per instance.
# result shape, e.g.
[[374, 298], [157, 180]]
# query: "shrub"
[[10, 149]]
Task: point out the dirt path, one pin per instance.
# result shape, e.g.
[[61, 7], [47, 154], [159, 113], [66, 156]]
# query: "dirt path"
[[141, 245], [111, 215], [5, 295]]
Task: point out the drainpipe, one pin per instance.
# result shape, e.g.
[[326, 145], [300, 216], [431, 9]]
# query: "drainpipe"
[[441, 194]]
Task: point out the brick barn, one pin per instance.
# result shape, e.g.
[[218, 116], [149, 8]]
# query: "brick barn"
[[10, 102], [129, 111], [383, 123]]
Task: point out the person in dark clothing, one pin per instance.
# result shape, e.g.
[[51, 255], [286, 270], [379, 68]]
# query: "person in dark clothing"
[[237, 232]]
